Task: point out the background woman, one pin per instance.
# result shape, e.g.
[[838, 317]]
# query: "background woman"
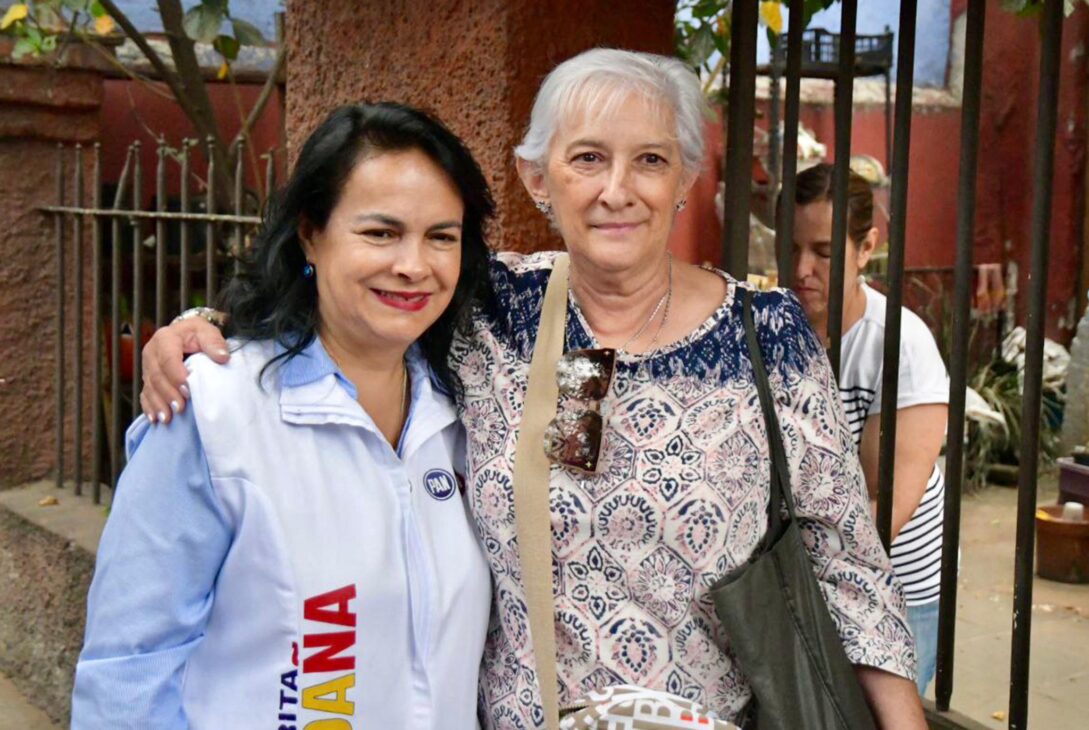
[[922, 399], [680, 494], [308, 560]]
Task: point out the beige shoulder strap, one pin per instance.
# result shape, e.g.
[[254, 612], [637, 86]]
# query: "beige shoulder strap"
[[533, 517]]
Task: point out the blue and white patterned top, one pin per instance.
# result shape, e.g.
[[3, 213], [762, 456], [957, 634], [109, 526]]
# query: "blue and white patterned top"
[[681, 500]]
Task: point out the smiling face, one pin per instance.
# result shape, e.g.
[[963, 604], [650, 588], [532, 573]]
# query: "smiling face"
[[613, 181], [388, 259], [813, 258]]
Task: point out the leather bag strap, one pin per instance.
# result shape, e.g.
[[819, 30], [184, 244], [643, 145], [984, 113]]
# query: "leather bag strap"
[[780, 470], [533, 515]]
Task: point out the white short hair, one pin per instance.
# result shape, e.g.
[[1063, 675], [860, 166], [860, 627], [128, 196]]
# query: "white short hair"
[[601, 79]]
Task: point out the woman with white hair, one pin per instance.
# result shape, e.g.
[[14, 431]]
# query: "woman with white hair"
[[659, 484]]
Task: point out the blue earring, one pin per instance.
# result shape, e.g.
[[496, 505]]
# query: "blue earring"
[[308, 271]]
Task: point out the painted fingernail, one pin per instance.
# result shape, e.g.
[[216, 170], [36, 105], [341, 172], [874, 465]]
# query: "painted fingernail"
[[150, 417], [184, 389], [174, 406], [162, 416], [222, 353]]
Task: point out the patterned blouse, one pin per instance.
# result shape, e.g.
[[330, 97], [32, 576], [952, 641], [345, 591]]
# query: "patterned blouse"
[[680, 500]]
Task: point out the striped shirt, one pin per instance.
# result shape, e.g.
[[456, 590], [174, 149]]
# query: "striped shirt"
[[917, 550]]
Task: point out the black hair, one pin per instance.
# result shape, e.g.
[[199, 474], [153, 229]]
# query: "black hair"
[[269, 298]]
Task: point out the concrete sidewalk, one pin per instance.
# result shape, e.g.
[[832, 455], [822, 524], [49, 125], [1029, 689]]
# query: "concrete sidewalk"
[[1059, 669], [18, 714]]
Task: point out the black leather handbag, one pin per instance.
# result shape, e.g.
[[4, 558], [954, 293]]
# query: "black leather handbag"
[[780, 630]]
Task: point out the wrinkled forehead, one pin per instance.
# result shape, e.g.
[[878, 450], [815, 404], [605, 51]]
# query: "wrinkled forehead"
[[599, 104]]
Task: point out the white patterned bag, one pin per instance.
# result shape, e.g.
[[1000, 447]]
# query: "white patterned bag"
[[626, 707]]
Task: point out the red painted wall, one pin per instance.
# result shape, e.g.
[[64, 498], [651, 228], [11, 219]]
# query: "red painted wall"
[[130, 111], [1004, 182]]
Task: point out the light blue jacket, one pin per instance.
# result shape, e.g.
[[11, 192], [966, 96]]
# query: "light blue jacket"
[[270, 561]]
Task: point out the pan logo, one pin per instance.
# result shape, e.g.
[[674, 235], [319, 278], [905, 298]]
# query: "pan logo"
[[440, 484]]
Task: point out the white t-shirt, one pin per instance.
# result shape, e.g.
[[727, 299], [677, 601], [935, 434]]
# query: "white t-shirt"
[[917, 550]]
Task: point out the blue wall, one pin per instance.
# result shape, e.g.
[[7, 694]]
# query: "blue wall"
[[144, 14], [932, 30]]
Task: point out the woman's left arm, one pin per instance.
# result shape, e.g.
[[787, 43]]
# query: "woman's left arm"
[[920, 431], [893, 699]]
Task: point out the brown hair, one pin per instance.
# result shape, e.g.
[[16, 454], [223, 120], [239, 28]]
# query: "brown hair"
[[815, 185]]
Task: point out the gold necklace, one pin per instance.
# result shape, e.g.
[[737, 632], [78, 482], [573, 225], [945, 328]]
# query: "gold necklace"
[[404, 392], [404, 387], [666, 299]]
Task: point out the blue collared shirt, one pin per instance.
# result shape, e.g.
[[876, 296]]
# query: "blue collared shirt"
[[173, 525]]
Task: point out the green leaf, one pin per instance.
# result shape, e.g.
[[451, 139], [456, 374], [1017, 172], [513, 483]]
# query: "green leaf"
[[202, 23], [722, 43], [49, 44], [34, 36], [227, 46], [247, 33], [703, 44], [23, 47], [709, 8], [97, 11]]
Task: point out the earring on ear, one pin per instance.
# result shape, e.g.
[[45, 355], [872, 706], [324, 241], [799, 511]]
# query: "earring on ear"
[[544, 206], [680, 205], [308, 271]]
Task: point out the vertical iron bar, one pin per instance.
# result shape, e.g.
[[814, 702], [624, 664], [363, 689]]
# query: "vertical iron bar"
[[137, 275], [58, 229], [160, 236], [183, 286], [775, 135], [958, 365], [1043, 168], [905, 81], [888, 112], [239, 196], [739, 125], [210, 228], [115, 327], [77, 232], [784, 227], [96, 330], [845, 81]]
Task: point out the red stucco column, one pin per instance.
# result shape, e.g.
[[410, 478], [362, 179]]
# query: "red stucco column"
[[476, 64], [41, 106]]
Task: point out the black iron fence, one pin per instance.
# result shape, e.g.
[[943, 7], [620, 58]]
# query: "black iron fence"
[[146, 265], [735, 247]]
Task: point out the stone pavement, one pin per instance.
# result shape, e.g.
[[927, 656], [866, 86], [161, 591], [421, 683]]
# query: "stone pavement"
[[17, 713], [1059, 668]]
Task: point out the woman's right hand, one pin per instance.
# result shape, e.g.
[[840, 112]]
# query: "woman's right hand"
[[165, 392]]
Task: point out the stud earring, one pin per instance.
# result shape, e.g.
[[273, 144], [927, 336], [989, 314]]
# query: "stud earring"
[[680, 205], [308, 271], [544, 206]]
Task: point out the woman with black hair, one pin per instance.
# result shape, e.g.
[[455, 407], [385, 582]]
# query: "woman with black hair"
[[293, 550]]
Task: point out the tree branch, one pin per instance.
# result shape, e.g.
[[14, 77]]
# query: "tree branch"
[[198, 106], [262, 98], [187, 68], [111, 59], [168, 76]]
